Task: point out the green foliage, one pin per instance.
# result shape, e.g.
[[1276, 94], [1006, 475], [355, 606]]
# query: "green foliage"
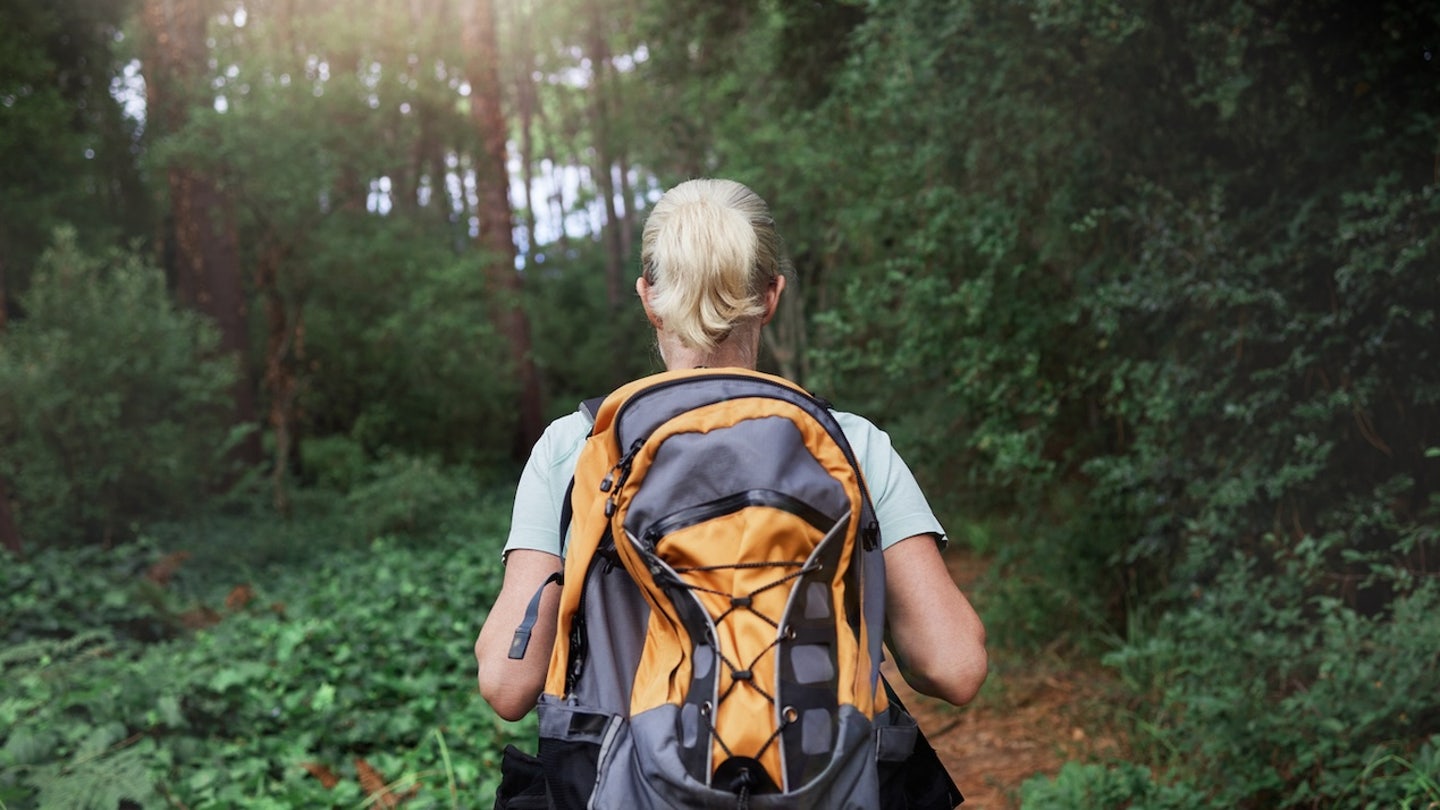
[[582, 348], [68, 147], [403, 350], [408, 495], [111, 399], [64, 594], [1269, 694], [1083, 786], [356, 654]]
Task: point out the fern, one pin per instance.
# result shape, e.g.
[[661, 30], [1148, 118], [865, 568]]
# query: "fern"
[[37, 654], [118, 777]]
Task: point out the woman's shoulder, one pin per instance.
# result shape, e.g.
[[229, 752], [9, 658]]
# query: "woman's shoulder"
[[571, 425], [860, 431], [562, 439]]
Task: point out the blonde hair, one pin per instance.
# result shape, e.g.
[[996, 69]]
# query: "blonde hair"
[[708, 252]]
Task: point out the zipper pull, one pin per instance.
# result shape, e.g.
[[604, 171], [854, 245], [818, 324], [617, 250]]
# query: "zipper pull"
[[613, 481]]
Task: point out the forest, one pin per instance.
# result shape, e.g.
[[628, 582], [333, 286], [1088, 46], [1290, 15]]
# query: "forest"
[[1145, 291]]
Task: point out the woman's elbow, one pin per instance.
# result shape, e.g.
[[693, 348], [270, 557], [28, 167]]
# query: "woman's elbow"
[[507, 690], [508, 698], [967, 678], [505, 702], [954, 676]]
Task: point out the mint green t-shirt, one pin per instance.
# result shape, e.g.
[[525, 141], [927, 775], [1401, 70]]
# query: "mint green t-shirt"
[[900, 506]]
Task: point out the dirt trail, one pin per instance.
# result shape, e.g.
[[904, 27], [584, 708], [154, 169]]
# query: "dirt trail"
[[1031, 717]]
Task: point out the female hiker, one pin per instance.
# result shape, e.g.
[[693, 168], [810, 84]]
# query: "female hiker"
[[712, 277]]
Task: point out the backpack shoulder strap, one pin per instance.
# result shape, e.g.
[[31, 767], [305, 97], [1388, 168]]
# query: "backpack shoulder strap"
[[588, 408]]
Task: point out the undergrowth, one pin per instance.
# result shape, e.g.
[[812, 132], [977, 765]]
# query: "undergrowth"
[[336, 673]]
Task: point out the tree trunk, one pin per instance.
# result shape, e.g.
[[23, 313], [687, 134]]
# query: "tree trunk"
[[523, 64], [789, 343], [496, 237], [556, 203], [627, 214], [4, 300], [202, 237], [9, 530], [284, 351], [604, 160]]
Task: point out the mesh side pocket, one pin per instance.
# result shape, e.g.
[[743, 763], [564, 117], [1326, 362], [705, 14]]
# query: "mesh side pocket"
[[569, 771], [522, 782]]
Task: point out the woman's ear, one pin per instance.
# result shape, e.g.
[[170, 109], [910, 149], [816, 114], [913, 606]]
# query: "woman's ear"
[[642, 288], [772, 298]]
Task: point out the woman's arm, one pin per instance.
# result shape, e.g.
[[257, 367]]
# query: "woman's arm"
[[512, 686], [934, 633]]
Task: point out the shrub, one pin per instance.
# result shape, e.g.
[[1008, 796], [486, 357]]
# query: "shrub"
[[409, 495], [1271, 694], [111, 399], [1087, 786]]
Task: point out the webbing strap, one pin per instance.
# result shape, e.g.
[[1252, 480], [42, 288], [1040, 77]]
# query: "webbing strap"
[[521, 642]]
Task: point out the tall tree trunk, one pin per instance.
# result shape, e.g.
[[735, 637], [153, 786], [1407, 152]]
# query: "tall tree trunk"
[[556, 203], [496, 237], [284, 351], [202, 238], [525, 103], [4, 300], [627, 214], [599, 54], [9, 530], [788, 344]]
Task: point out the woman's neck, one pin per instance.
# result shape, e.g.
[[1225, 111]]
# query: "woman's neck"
[[740, 350]]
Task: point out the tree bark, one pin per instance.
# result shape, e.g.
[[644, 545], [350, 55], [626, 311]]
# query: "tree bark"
[[4, 300], [599, 52], [496, 231], [627, 213], [556, 203], [284, 351], [203, 241], [9, 530], [523, 64]]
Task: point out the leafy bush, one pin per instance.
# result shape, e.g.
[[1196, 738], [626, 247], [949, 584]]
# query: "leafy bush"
[[111, 399], [409, 495], [336, 463], [1087, 786], [355, 666], [402, 350], [1269, 693]]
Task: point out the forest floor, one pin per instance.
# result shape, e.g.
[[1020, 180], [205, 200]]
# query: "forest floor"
[[1035, 712]]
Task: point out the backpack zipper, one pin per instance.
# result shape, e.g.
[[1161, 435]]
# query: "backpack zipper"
[[612, 483], [818, 409], [733, 503]]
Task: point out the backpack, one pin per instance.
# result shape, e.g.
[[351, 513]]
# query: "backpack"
[[722, 611]]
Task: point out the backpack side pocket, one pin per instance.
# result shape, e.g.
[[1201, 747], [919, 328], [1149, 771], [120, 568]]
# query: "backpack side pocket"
[[522, 782]]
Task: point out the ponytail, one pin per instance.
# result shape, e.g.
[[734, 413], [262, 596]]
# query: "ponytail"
[[709, 251]]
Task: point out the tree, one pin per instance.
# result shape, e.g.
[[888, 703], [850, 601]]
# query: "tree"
[[598, 50], [496, 222], [200, 228], [66, 145]]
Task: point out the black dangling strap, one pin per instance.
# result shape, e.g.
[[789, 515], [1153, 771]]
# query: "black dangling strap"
[[532, 614]]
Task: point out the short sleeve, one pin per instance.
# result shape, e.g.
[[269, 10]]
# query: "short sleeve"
[[900, 505], [535, 520]]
